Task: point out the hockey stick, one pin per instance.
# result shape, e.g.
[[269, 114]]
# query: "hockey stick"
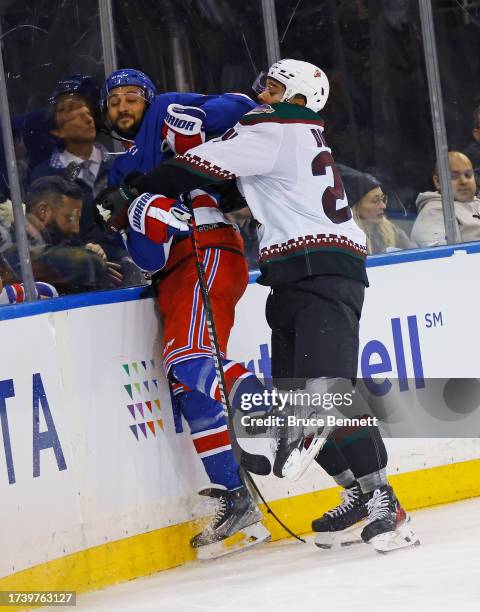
[[269, 510], [258, 464]]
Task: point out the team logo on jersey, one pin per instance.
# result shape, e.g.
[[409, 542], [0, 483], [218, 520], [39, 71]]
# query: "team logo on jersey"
[[317, 73], [260, 110]]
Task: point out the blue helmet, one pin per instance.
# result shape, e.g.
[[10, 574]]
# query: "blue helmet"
[[81, 84], [124, 77]]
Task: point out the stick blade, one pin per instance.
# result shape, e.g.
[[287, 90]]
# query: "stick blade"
[[256, 464]]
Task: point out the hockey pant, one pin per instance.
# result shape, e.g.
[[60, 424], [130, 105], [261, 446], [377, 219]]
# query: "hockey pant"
[[187, 348]]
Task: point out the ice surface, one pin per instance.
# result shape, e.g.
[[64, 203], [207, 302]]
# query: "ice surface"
[[442, 574]]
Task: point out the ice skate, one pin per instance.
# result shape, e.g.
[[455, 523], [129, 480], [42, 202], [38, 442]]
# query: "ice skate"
[[296, 446], [235, 526], [341, 526], [388, 525]]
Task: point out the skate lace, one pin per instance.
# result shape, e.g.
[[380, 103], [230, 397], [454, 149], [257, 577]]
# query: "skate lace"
[[378, 506], [349, 497], [219, 512]]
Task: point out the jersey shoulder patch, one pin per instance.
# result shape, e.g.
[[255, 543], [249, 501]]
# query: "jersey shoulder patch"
[[261, 109], [280, 113]]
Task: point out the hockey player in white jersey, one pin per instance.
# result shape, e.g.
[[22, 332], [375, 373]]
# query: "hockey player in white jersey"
[[312, 255]]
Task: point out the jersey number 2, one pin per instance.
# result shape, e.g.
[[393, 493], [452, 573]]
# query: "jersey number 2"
[[331, 194]]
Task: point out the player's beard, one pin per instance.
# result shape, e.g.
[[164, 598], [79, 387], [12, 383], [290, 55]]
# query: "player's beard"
[[128, 133]]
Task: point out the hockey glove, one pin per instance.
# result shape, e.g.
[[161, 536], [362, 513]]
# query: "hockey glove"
[[159, 218], [111, 207], [183, 128]]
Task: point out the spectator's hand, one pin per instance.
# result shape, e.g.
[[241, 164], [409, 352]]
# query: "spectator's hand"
[[97, 249], [114, 272]]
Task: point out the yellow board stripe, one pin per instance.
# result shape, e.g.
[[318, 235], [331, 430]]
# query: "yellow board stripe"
[[147, 553]]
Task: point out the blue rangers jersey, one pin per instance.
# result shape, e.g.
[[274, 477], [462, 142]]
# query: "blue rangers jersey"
[[222, 112]]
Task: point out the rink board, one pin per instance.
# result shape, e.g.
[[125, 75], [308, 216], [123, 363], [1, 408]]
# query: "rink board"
[[98, 487]]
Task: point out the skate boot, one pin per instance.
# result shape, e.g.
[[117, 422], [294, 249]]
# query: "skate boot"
[[388, 525], [235, 526], [340, 526], [296, 446]]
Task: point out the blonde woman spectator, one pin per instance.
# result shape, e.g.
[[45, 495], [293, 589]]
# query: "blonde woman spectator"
[[369, 205], [429, 227]]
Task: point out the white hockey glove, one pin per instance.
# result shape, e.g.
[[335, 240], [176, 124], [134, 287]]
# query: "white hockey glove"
[[159, 218], [183, 128]]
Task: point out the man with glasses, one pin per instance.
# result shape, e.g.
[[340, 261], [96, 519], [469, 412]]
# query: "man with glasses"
[[72, 110], [429, 227]]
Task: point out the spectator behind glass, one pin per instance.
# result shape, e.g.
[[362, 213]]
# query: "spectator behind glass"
[[59, 255], [472, 151], [76, 154], [369, 204], [78, 157], [429, 227]]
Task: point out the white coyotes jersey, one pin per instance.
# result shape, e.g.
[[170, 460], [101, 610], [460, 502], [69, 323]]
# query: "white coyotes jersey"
[[285, 171]]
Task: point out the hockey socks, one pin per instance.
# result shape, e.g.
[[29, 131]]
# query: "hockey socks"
[[241, 384], [363, 452], [210, 437], [334, 463]]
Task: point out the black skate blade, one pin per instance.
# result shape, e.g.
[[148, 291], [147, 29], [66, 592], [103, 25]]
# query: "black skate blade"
[[257, 464]]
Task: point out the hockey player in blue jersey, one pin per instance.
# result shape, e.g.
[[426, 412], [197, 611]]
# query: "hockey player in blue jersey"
[[150, 131], [154, 127]]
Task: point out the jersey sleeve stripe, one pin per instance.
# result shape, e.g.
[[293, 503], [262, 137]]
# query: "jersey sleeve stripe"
[[202, 167]]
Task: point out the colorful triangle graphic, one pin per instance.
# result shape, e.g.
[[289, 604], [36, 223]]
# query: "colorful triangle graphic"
[[135, 366], [157, 403], [134, 430], [143, 428], [144, 364], [132, 410], [145, 384], [151, 425], [128, 389], [155, 382], [140, 409], [126, 368], [149, 406], [137, 387], [160, 423]]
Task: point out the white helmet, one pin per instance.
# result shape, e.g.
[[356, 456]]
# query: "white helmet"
[[302, 78]]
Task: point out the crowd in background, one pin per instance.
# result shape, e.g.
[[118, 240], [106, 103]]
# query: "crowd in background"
[[369, 51]]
